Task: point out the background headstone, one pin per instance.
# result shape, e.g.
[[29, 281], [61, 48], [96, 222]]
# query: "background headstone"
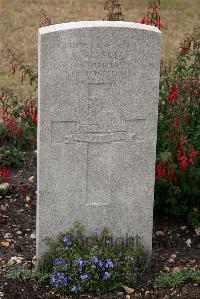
[[98, 101]]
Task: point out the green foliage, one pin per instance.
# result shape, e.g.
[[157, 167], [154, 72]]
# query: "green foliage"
[[26, 71], [173, 279], [177, 189], [194, 217], [20, 272], [96, 264], [11, 155]]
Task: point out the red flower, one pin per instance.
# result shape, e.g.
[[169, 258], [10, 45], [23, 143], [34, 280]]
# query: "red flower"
[[153, 17], [5, 172], [160, 169], [32, 112], [182, 159], [187, 120], [146, 20], [171, 174], [170, 120], [192, 155], [175, 140], [173, 94], [159, 24], [195, 92], [167, 136], [11, 124], [19, 132], [177, 122]]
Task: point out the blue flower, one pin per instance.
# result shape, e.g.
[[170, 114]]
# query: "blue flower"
[[79, 261], [97, 232], [64, 280], [101, 263], [59, 261], [106, 275], [53, 279], [136, 269], [84, 276], [65, 267], [109, 263], [74, 288], [67, 241], [94, 259]]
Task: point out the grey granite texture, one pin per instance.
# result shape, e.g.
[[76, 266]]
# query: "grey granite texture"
[[98, 101]]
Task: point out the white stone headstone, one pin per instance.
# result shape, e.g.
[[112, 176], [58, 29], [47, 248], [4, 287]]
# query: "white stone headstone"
[[98, 101]]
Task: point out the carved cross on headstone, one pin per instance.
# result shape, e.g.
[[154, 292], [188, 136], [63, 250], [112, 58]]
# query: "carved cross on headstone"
[[98, 131], [101, 138]]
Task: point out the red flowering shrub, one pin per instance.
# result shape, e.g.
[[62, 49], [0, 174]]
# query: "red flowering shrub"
[[178, 147], [17, 129], [153, 16]]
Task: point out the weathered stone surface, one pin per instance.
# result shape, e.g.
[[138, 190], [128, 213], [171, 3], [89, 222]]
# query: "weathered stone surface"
[[98, 100]]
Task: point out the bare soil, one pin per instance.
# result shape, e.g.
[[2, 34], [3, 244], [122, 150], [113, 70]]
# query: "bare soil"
[[18, 217]]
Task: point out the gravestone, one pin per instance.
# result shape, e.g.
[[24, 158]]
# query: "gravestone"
[[98, 101]]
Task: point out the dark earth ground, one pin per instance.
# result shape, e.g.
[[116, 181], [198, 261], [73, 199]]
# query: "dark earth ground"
[[17, 235]]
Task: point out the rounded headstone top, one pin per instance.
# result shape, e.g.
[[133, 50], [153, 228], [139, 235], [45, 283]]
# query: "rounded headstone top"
[[96, 24]]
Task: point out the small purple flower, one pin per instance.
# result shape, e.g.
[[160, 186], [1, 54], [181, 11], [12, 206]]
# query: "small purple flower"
[[94, 259], [79, 261], [64, 281], [109, 263], [67, 241], [74, 288], [59, 261], [136, 269], [65, 267], [101, 263], [106, 275], [58, 274], [97, 232], [84, 276], [53, 279]]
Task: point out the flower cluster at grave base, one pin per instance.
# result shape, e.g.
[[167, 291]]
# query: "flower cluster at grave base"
[[98, 267], [18, 130], [178, 147]]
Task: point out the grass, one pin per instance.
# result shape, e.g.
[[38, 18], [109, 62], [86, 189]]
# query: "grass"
[[173, 279], [21, 19], [19, 272]]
